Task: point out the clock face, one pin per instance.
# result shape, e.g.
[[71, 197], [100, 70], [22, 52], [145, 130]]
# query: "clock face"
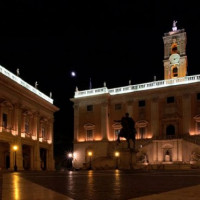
[[174, 58]]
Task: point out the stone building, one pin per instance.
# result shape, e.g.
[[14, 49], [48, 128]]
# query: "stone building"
[[26, 125], [166, 115]]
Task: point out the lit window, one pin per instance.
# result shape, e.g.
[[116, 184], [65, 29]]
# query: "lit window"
[[118, 106], [170, 99], [5, 120], [90, 108], [89, 135]]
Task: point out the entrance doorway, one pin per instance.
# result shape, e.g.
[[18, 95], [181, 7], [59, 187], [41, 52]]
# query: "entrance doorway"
[[26, 151], [4, 155], [43, 158]]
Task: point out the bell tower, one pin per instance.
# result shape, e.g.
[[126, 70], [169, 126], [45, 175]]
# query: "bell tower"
[[175, 59]]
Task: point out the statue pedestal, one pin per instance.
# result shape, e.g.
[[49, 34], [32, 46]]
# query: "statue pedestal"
[[127, 159]]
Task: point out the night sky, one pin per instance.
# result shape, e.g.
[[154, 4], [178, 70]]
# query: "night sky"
[[111, 41]]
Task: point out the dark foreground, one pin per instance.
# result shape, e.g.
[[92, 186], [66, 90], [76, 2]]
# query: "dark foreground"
[[110, 185]]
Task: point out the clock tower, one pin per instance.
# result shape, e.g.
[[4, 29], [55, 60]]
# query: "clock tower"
[[175, 59]]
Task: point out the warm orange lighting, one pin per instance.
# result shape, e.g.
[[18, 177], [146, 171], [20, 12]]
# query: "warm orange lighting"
[[90, 153], [98, 138], [81, 139], [116, 154], [15, 147]]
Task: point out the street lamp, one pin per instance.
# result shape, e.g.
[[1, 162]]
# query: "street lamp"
[[117, 157], [90, 156], [15, 148], [70, 157]]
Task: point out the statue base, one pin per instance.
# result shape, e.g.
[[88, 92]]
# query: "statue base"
[[127, 159]]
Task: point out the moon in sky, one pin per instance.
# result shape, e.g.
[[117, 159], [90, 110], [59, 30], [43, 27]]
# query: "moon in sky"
[[73, 73]]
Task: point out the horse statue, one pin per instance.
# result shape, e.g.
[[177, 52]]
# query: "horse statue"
[[128, 130]]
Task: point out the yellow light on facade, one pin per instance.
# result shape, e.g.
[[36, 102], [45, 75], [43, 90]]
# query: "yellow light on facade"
[[116, 154], [90, 153], [15, 147]]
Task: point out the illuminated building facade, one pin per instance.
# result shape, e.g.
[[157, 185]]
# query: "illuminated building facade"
[[26, 125], [166, 115]]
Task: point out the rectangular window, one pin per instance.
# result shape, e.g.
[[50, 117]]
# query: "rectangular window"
[[142, 132], [118, 106], [198, 127], [90, 108], [170, 99], [141, 103], [43, 132], [89, 135], [116, 132], [198, 96], [26, 126], [5, 120]]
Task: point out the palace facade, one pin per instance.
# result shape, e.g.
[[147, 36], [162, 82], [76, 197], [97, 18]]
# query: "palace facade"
[[26, 125], [166, 115]]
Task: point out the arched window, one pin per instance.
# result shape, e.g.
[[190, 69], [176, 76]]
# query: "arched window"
[[89, 128], [141, 127], [170, 130]]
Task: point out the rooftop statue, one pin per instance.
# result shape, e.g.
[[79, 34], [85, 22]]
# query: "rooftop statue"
[[174, 27]]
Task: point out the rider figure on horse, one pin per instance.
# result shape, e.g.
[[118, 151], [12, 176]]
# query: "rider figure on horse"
[[128, 129]]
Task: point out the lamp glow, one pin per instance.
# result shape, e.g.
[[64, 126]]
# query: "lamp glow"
[[90, 153], [15, 147], [116, 154]]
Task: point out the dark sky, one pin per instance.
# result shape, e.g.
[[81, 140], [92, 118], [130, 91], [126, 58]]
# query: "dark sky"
[[112, 41]]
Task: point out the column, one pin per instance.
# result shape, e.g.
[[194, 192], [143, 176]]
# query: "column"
[[155, 151], [104, 120], [186, 108], [76, 121], [154, 117], [36, 156], [17, 119], [50, 159]]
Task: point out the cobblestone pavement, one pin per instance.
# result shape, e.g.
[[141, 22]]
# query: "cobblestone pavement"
[[113, 185]]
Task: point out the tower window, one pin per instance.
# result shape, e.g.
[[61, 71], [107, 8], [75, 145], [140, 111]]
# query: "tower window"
[[170, 99], [175, 72], [118, 106], [90, 108], [141, 103]]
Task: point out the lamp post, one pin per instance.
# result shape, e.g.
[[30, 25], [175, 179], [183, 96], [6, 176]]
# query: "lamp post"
[[70, 157], [117, 157], [15, 148], [90, 156]]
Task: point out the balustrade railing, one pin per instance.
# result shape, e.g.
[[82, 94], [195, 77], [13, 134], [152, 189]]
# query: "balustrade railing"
[[139, 87]]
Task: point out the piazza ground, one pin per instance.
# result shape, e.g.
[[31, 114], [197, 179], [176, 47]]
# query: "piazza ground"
[[96, 185]]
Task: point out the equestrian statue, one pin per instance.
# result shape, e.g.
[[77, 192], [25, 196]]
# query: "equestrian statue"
[[128, 130]]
